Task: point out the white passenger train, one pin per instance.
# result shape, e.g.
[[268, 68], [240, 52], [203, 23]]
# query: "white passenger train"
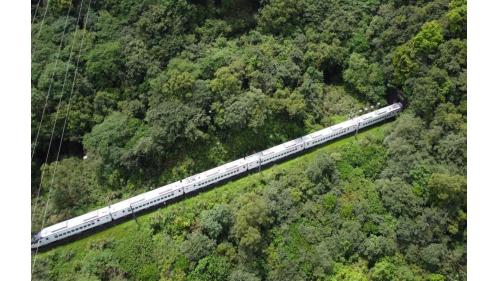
[[168, 192]]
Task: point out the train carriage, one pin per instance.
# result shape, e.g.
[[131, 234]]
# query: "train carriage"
[[72, 227], [253, 161], [215, 175], [162, 194], [146, 200], [317, 138], [281, 151]]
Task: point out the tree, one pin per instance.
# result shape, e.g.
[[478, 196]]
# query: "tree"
[[247, 110], [329, 57], [447, 135], [405, 147], [409, 59], [311, 89], [216, 221], [366, 78], [398, 197], [389, 269], [429, 38], [448, 191], [170, 17], [434, 255], [53, 77], [322, 167], [426, 93], [104, 66], [457, 17], [165, 25], [173, 121], [110, 139], [251, 218], [241, 275], [213, 29], [73, 184], [103, 265], [359, 43], [404, 63], [375, 247], [280, 16], [429, 226], [227, 80], [104, 104], [137, 61], [453, 56], [384, 271], [348, 239], [197, 246], [211, 268], [350, 273], [60, 6]]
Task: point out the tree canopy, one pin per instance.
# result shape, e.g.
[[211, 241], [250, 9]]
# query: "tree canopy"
[[164, 89]]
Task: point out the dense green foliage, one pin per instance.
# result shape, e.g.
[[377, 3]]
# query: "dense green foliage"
[[167, 88]]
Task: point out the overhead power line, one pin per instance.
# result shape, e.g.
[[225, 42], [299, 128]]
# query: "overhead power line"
[[64, 125], [68, 63], [35, 143]]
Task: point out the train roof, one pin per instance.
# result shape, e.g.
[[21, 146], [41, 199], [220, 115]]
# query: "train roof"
[[217, 170], [122, 205], [375, 113], [328, 130], [162, 190], [281, 147], [317, 134], [253, 157], [76, 221]]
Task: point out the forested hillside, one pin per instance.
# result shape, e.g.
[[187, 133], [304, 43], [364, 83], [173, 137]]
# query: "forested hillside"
[[149, 92]]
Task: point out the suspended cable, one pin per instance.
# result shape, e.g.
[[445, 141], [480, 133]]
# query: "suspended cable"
[[36, 10], [41, 25], [68, 63], [62, 133], [33, 148]]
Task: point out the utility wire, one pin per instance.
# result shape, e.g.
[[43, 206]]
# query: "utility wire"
[[64, 126], [68, 63], [41, 25], [50, 84], [36, 10]]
